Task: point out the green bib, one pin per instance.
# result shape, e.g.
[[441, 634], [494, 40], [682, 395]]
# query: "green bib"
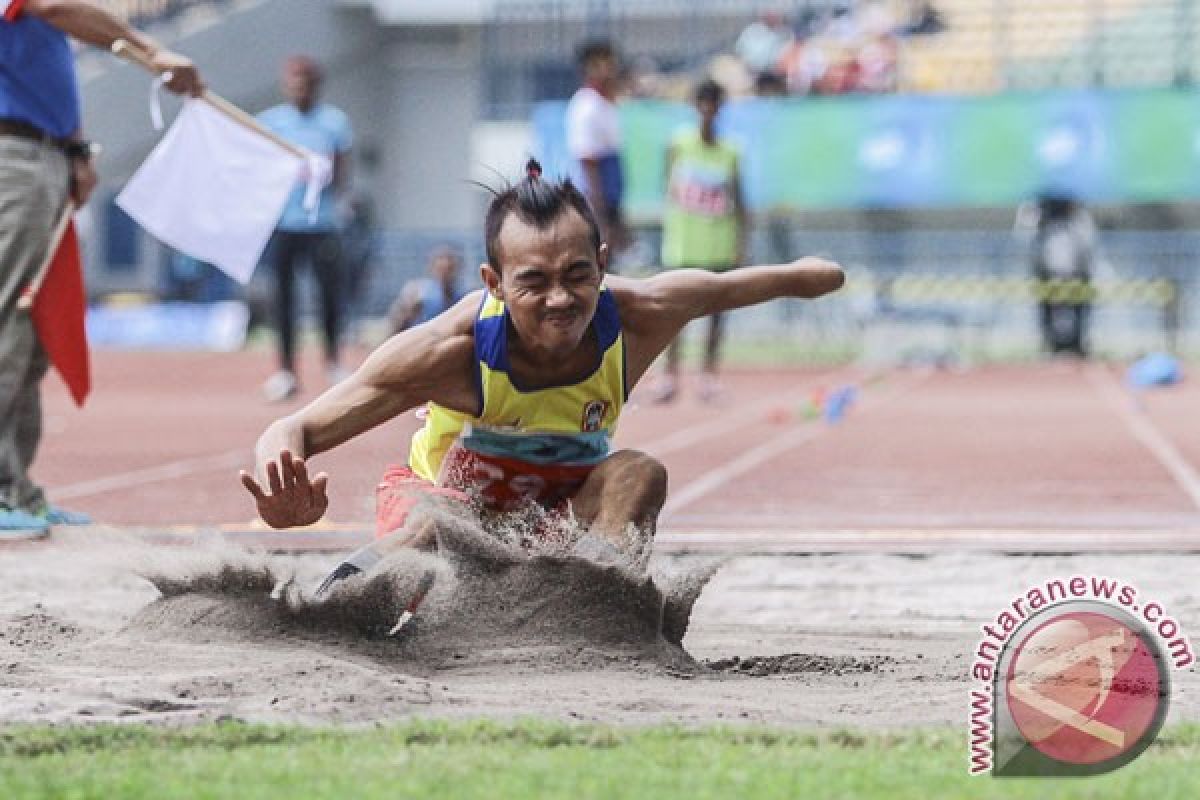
[[700, 220]]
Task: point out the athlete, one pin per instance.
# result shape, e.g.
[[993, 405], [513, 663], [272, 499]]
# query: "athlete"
[[704, 223], [523, 383]]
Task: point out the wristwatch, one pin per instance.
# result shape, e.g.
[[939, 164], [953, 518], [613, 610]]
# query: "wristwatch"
[[80, 149]]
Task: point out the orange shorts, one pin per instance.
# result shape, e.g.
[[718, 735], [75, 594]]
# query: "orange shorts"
[[499, 484], [398, 494], [507, 484]]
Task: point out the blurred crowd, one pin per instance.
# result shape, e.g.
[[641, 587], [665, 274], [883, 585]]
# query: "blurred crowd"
[[850, 47]]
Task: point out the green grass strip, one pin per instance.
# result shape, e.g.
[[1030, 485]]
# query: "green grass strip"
[[533, 758]]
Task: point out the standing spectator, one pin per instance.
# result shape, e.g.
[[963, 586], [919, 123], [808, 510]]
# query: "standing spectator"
[[303, 234], [704, 224], [1062, 255], [425, 298], [44, 162], [761, 43], [594, 139]]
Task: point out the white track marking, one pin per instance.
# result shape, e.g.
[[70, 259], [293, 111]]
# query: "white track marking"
[[854, 540], [1144, 431], [722, 475], [737, 541], [678, 440], [172, 470]]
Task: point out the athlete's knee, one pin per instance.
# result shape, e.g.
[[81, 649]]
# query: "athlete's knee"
[[648, 472]]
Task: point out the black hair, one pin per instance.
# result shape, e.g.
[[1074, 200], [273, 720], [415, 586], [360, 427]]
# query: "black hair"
[[709, 90], [537, 202], [592, 49]]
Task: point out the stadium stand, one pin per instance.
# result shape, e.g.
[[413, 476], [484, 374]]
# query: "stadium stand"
[[1043, 44]]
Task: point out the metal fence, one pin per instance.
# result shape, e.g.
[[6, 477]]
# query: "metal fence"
[[967, 304]]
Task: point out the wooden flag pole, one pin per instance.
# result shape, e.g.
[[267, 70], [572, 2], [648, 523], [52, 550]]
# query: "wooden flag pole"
[[29, 294], [122, 48]]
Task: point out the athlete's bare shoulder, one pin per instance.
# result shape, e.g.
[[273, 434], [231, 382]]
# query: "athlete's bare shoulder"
[[638, 300], [434, 361]]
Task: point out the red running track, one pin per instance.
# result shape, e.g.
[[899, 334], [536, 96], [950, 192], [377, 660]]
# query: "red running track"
[[1054, 446]]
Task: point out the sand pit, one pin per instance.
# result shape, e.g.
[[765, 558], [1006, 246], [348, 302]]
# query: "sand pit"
[[483, 595], [853, 640]]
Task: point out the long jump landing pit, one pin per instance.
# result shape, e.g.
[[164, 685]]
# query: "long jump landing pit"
[[856, 564], [110, 627]]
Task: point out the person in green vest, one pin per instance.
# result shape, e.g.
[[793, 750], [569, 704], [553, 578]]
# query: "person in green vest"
[[704, 223]]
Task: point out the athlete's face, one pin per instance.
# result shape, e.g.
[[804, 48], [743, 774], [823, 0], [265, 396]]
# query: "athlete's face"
[[550, 281]]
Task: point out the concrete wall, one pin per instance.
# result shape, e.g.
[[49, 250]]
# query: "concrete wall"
[[432, 107], [412, 94]]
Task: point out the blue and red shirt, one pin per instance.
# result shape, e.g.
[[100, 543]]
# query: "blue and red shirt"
[[37, 73]]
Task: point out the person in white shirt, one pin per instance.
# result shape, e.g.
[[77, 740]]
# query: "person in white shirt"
[[594, 139]]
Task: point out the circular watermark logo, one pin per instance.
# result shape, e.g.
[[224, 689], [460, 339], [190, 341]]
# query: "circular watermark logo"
[[1085, 688]]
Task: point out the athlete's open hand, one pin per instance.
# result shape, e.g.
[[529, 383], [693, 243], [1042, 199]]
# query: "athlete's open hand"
[[293, 498]]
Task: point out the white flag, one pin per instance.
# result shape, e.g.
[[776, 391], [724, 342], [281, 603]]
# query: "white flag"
[[213, 189]]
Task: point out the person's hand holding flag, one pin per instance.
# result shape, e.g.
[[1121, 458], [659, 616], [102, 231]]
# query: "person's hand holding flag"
[[179, 73]]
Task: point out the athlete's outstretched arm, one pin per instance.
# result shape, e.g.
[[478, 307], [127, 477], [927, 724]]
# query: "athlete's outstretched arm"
[[686, 294], [655, 310], [429, 362]]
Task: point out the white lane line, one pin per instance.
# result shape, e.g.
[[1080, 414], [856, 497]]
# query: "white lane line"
[[133, 479], [687, 437], [833, 540], [1144, 431], [722, 475], [735, 418]]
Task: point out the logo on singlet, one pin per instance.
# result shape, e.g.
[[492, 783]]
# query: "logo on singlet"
[[593, 416]]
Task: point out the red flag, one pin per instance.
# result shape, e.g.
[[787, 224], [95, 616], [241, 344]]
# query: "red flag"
[[59, 306], [10, 9]]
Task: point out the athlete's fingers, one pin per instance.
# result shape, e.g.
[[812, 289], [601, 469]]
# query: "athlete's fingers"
[[300, 473], [303, 483], [287, 469], [252, 485], [318, 486], [273, 478]]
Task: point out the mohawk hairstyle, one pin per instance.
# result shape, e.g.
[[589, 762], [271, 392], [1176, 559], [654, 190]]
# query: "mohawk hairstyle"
[[537, 202]]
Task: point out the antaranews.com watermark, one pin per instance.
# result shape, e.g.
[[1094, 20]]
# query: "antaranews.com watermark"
[[1072, 678]]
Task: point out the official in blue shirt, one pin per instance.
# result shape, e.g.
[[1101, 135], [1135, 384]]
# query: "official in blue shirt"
[[44, 162], [304, 234]]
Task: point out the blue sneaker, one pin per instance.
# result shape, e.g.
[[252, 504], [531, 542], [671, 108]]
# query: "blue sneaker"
[[61, 516], [17, 524]]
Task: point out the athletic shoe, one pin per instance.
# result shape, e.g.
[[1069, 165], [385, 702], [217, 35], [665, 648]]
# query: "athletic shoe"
[[61, 516], [407, 623], [281, 386], [340, 573], [16, 524], [710, 389]]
